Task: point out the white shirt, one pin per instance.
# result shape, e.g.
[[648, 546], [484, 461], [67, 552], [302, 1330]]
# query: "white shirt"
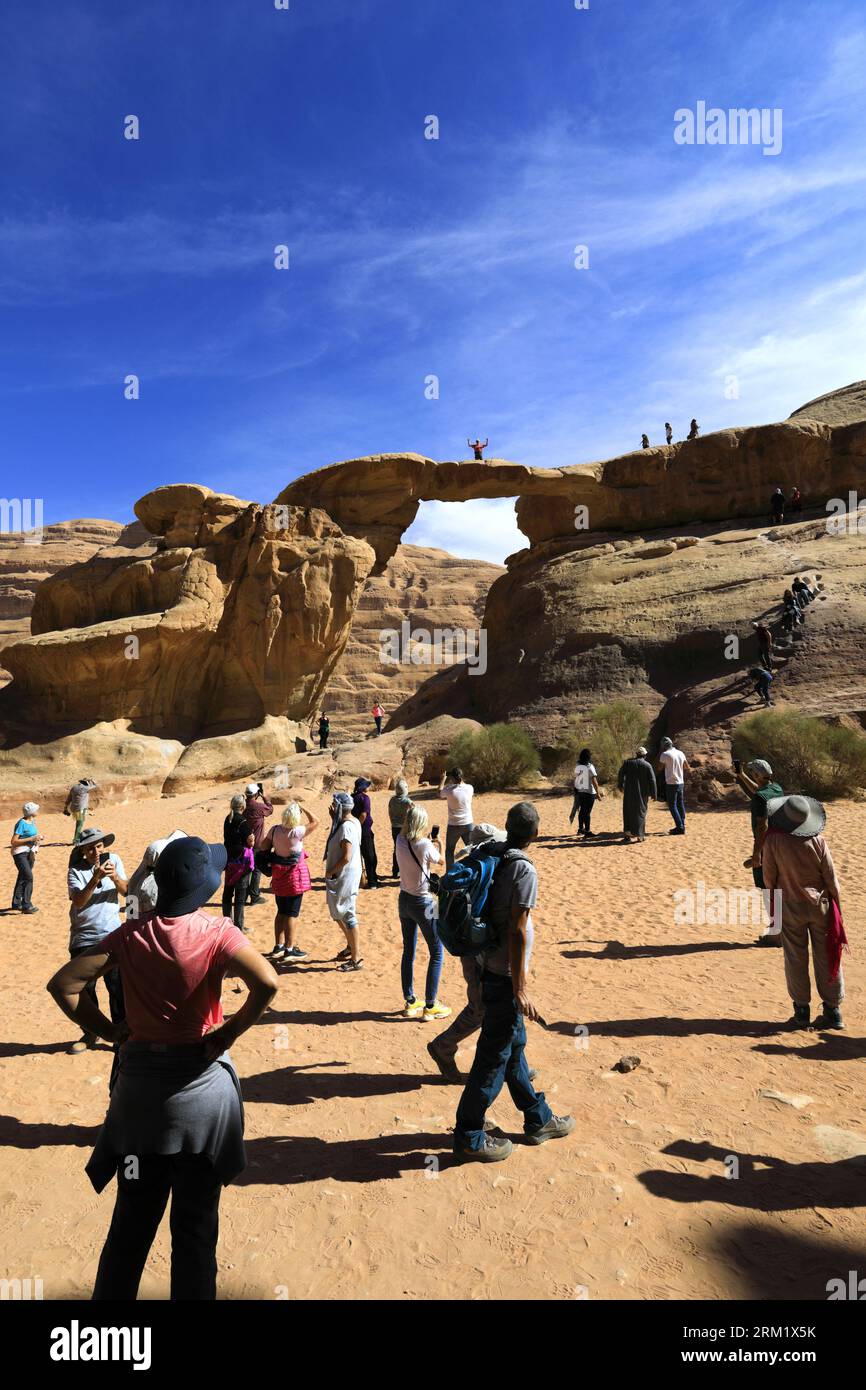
[[583, 775], [459, 800], [673, 760], [413, 877], [348, 830]]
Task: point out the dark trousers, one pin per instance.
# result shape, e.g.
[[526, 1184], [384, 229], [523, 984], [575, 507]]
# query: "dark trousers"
[[235, 898], [762, 686], [676, 797], [323, 740], [378, 718], [22, 893], [500, 1059], [368, 855], [138, 1209], [395, 867], [254, 885], [468, 1021], [583, 804]]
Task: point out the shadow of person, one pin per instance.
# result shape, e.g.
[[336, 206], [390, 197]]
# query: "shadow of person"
[[777, 1264], [15, 1134], [759, 1181], [832, 1047], [292, 1085], [617, 950], [293, 1159], [673, 1027]]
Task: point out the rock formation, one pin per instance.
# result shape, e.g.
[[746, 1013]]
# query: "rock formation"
[[24, 566], [217, 635], [424, 588]]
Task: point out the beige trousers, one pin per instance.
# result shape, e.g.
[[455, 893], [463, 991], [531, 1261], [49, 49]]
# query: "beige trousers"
[[804, 925]]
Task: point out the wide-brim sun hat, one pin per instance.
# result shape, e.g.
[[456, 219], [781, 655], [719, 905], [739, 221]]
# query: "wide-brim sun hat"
[[362, 783], [187, 874], [801, 816], [93, 837]]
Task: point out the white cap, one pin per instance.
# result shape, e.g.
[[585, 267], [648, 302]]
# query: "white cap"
[[252, 788]]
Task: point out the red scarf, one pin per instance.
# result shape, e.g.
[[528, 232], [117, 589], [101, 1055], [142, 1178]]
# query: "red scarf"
[[837, 941]]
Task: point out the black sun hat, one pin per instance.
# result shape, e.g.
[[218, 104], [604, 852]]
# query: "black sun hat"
[[187, 873]]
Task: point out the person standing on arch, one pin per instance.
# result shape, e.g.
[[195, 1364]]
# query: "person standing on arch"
[[478, 448], [669, 432]]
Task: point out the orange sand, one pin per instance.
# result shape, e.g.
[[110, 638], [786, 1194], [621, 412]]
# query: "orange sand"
[[348, 1123]]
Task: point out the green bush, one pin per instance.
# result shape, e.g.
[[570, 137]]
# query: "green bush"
[[807, 755], [498, 758], [612, 733]]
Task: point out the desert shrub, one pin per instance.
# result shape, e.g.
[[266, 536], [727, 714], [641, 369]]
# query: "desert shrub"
[[495, 759], [612, 732], [806, 754]]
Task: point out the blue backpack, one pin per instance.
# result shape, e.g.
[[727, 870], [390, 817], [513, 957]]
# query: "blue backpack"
[[463, 894]]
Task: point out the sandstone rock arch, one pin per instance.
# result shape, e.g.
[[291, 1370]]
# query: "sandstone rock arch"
[[226, 622]]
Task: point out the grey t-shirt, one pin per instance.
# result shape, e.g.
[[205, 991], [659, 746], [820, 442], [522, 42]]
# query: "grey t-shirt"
[[515, 884], [89, 924], [79, 796]]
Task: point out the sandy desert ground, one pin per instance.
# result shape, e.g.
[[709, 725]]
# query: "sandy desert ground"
[[351, 1192]]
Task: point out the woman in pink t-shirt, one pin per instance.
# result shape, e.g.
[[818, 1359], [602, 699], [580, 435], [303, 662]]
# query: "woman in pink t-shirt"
[[175, 1120], [290, 878]]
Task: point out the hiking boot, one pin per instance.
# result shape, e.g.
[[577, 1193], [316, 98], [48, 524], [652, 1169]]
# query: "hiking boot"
[[770, 939], [830, 1017], [447, 1066], [556, 1128], [801, 1016], [491, 1151]]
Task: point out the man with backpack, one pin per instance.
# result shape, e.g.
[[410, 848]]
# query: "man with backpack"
[[501, 889]]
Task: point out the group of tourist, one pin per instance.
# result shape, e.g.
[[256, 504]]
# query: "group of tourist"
[[322, 729], [779, 504], [175, 1104], [694, 431], [795, 601]]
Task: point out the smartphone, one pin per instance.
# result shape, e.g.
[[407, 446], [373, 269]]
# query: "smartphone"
[[737, 764], [434, 833], [104, 857]]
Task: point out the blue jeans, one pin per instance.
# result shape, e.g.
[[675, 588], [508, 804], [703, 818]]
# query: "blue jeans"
[[499, 1058], [677, 803], [414, 913]]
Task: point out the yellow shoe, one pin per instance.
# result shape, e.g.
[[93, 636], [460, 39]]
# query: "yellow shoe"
[[435, 1011], [414, 1010]]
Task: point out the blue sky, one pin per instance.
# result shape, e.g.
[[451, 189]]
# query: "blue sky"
[[412, 257]]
